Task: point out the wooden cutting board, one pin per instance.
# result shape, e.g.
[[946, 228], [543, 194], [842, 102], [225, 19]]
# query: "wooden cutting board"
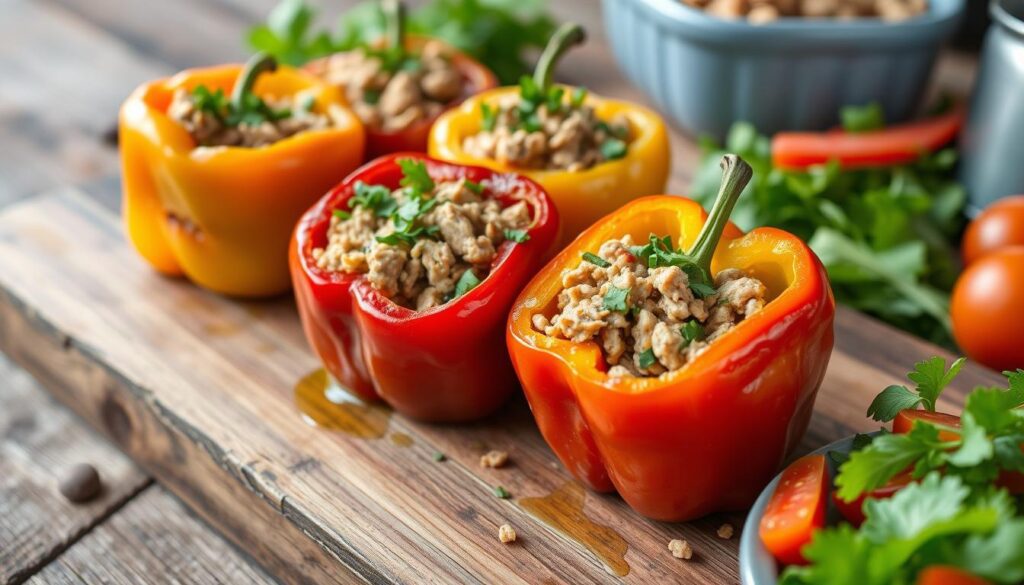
[[223, 402]]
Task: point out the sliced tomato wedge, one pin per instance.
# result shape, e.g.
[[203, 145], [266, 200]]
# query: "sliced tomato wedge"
[[853, 511], [890, 146], [796, 509], [946, 575]]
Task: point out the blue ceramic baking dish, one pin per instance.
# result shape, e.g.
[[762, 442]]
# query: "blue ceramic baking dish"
[[791, 74]]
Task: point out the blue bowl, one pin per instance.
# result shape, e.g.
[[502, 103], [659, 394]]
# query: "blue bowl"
[[791, 74], [757, 565]]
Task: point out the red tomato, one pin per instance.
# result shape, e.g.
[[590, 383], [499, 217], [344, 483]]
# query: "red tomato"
[[1001, 225], [945, 575], [854, 511], [987, 303], [904, 421], [796, 509]]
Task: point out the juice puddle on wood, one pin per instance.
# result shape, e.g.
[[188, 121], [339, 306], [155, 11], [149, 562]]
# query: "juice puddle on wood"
[[562, 510], [401, 439], [326, 405]]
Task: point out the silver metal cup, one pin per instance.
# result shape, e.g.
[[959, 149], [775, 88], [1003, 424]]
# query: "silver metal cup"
[[993, 142]]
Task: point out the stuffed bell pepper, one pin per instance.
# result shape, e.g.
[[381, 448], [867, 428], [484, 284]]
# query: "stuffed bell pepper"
[[219, 163], [672, 357], [405, 274], [590, 154], [400, 86]]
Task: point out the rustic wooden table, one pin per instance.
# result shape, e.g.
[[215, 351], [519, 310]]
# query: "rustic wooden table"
[[207, 396]]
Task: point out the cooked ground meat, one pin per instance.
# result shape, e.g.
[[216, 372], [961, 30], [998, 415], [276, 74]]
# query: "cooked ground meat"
[[572, 138], [209, 129], [647, 320], [396, 97], [468, 228], [761, 11]]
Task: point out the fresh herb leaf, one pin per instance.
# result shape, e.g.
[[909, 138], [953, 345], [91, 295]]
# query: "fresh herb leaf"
[[691, 331], [473, 186], [646, 359], [596, 260], [932, 377], [886, 456], [371, 96], [341, 214], [501, 492], [860, 441], [488, 117], [975, 446], [439, 456], [214, 103], [307, 102], [891, 401], [702, 290], [467, 282], [375, 197], [613, 149], [579, 95], [863, 118], [415, 175], [517, 236], [616, 299]]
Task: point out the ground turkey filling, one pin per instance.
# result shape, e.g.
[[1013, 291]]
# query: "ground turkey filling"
[[203, 115], [648, 320], [461, 232], [761, 11], [393, 94], [570, 138]]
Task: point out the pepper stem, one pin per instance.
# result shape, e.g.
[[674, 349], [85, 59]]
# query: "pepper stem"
[[394, 23], [257, 64], [567, 36], [736, 173]]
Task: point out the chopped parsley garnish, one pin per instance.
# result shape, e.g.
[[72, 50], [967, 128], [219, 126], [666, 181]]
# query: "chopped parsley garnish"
[[517, 236], [646, 359], [659, 252], [307, 103], [931, 377], [501, 492], [405, 217], [579, 95], [596, 260], [375, 197], [415, 175], [488, 117], [252, 110], [613, 149], [371, 96], [341, 214], [691, 331], [701, 290], [467, 282], [439, 456], [616, 299], [474, 186]]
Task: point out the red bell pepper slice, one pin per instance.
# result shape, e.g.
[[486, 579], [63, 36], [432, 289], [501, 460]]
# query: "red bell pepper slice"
[[796, 509], [890, 146], [447, 363], [946, 575]]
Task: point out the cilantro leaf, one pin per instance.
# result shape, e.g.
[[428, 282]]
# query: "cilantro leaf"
[[596, 260], [374, 197], [891, 401], [863, 118], [996, 556], [932, 377], [517, 236], [473, 186], [616, 299], [467, 282], [646, 359], [913, 508], [341, 214], [886, 456], [488, 117], [702, 290], [501, 492], [579, 95], [415, 175], [613, 149], [975, 447], [691, 331]]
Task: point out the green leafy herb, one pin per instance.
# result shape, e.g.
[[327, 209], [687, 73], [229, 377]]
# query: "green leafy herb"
[[499, 33], [488, 117], [931, 377], [415, 175], [863, 118], [859, 442], [253, 111], [213, 103], [307, 103], [646, 359], [884, 234], [439, 456], [467, 282], [613, 148], [579, 95], [616, 299], [474, 187], [596, 260], [659, 252], [375, 197], [341, 214], [371, 96], [691, 331], [517, 236], [501, 492]]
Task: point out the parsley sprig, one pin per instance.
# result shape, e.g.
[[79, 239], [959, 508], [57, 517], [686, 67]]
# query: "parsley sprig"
[[931, 377], [405, 217], [244, 106]]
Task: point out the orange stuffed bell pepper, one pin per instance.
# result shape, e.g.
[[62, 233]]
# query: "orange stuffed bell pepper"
[[404, 275], [400, 86], [705, 409], [590, 154], [213, 186]]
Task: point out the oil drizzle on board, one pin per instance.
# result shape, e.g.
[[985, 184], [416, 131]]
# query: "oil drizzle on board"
[[326, 405], [562, 510], [401, 439]]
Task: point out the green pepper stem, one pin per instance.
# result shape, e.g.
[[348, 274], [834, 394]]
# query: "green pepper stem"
[[568, 35], [257, 64], [394, 23], [736, 173]]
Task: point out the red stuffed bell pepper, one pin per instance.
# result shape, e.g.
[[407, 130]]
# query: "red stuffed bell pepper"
[[401, 301], [639, 371]]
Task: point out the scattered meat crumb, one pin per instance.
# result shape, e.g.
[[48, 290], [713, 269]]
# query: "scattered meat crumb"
[[494, 459], [680, 549], [725, 531], [506, 534]]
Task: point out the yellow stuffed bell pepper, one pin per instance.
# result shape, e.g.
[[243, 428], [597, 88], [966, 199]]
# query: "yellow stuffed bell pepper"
[[213, 186], [619, 151]]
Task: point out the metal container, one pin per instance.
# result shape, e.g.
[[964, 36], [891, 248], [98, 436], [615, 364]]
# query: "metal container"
[[993, 143], [791, 74]]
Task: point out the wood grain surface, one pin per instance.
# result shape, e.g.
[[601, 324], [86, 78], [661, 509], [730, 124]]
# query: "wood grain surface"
[[201, 390]]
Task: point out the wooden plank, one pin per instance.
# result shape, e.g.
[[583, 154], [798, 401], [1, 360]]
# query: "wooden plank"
[[39, 441], [152, 537], [200, 390]]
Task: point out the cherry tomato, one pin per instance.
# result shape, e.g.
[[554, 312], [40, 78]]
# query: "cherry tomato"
[[988, 322], [796, 509], [854, 511], [904, 421], [945, 575], [1001, 225]]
